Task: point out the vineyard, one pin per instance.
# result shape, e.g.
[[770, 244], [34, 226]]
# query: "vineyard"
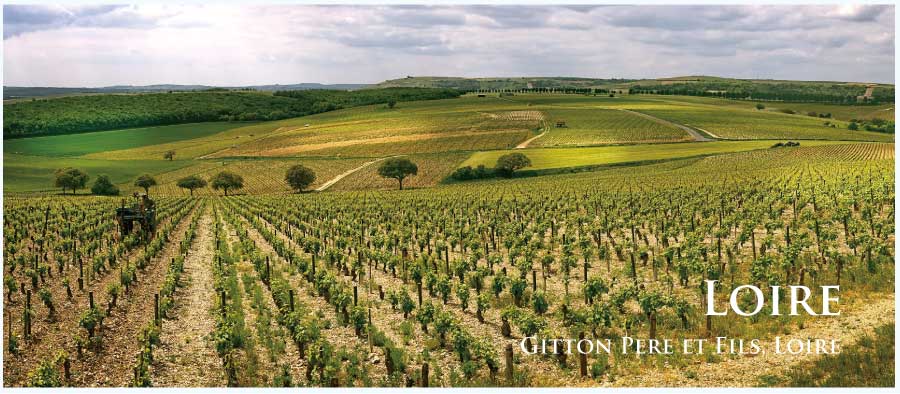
[[599, 156], [606, 126], [596, 131], [743, 124], [436, 287]]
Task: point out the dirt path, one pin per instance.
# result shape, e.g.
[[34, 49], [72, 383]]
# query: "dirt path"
[[212, 155], [186, 357], [747, 371], [524, 144], [694, 133], [336, 179], [709, 133]]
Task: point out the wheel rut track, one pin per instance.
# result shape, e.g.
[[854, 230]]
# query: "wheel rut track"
[[693, 133], [338, 178], [186, 356]]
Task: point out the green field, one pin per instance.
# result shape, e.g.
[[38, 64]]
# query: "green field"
[[552, 158], [104, 141]]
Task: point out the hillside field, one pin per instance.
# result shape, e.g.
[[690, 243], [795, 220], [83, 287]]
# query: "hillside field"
[[440, 135]]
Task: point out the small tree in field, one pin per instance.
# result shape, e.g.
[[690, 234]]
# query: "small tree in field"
[[509, 163], [760, 107], [71, 178], [398, 168], [104, 187], [145, 182], [299, 177], [191, 182], [169, 155], [227, 181]]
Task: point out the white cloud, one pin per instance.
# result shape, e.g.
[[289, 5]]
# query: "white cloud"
[[240, 45]]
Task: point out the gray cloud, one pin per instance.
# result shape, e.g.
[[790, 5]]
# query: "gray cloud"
[[21, 19], [230, 45], [740, 18], [863, 14]]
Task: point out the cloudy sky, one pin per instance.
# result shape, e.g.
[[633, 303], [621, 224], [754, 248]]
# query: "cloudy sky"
[[233, 44]]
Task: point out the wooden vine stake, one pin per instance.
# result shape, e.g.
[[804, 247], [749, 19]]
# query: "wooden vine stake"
[[509, 363], [28, 314], [156, 309], [582, 358], [222, 296], [291, 297]]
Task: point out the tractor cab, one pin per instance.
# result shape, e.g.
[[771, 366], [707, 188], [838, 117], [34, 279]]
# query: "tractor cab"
[[143, 211]]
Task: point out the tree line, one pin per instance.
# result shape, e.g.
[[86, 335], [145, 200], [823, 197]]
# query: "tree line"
[[298, 177], [78, 114], [776, 91], [328, 100], [554, 90], [74, 179]]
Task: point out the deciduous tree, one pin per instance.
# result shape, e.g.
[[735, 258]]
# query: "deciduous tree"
[[509, 163], [71, 178], [398, 168], [299, 177], [104, 187], [227, 181], [145, 182], [191, 183]]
